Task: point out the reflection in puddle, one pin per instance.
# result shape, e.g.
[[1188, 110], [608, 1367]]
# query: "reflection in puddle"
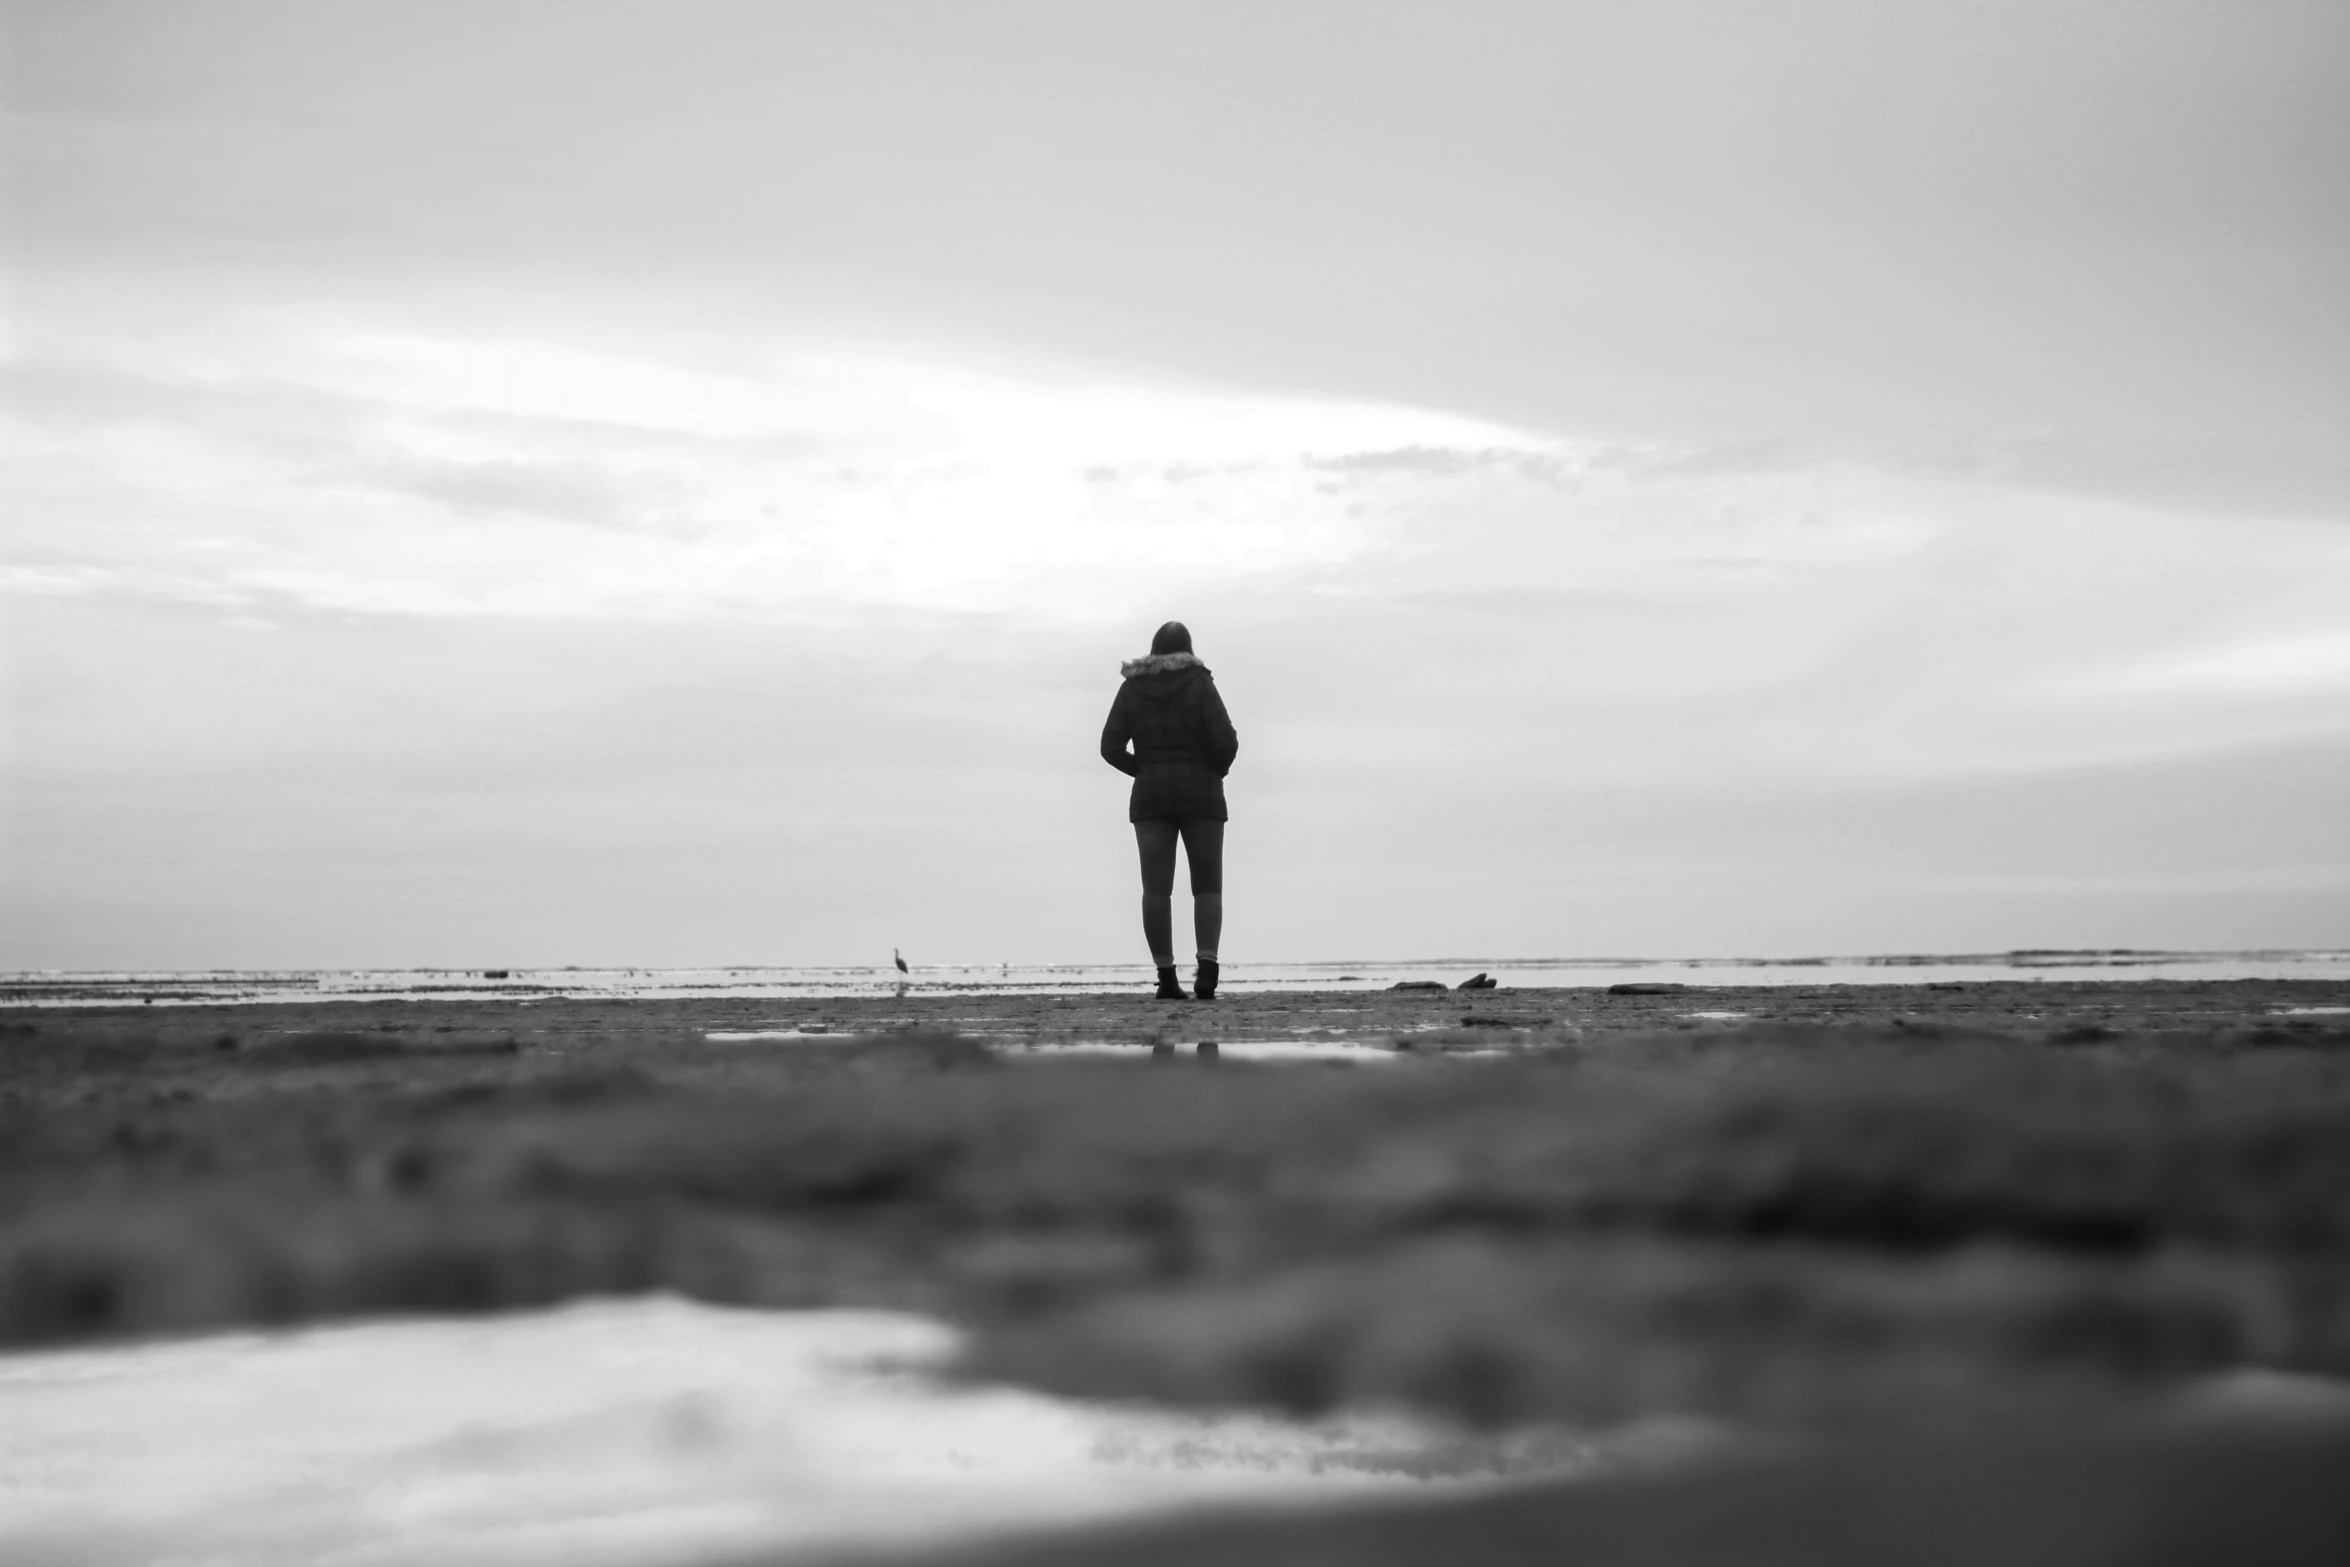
[[1340, 1050], [650, 1430], [1230, 1050], [735, 1036]]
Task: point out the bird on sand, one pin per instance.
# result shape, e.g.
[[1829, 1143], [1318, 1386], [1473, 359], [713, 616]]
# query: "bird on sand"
[[900, 961]]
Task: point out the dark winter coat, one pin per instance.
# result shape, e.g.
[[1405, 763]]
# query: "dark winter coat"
[[1182, 737]]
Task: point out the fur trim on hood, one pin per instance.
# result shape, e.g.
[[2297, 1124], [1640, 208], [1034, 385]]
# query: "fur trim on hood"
[[1158, 664]]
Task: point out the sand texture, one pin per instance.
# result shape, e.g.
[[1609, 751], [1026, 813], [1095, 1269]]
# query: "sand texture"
[[1891, 1214]]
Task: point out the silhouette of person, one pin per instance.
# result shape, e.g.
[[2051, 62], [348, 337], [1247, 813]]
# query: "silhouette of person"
[[1169, 711]]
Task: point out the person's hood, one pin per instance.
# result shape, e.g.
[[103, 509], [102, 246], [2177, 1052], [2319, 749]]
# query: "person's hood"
[[1162, 675]]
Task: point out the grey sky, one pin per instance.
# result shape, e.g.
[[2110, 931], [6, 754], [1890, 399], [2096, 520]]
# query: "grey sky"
[[586, 482]]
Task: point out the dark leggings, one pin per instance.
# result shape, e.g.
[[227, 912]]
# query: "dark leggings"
[[1203, 846]]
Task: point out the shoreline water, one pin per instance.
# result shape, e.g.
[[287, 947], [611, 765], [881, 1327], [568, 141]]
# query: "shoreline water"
[[214, 987]]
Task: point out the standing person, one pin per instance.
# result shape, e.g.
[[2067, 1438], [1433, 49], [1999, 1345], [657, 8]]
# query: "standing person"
[[1168, 709]]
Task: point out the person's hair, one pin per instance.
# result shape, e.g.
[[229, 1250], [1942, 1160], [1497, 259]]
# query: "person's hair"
[[1173, 637]]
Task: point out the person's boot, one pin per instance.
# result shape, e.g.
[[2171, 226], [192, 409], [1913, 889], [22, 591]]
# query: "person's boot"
[[1170, 988], [1205, 990]]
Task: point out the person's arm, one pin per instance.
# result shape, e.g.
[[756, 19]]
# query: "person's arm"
[[1116, 732], [1223, 741]]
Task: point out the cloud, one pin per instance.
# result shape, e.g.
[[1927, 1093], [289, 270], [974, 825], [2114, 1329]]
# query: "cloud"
[[1665, 491], [1547, 604], [2322, 658], [2333, 878], [1700, 602], [368, 468], [1518, 462], [573, 492], [2277, 666]]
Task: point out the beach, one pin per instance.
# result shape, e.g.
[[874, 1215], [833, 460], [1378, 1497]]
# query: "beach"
[[1856, 1215], [641, 646]]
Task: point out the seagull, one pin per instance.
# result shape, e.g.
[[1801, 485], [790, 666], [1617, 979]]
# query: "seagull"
[[901, 962]]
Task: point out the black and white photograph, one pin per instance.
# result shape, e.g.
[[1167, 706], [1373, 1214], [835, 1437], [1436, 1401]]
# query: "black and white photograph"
[[1174, 783]]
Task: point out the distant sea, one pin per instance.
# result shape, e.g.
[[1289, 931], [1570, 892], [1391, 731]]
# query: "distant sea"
[[223, 986]]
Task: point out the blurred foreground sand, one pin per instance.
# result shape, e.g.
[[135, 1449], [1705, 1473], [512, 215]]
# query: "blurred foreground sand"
[[1868, 1221]]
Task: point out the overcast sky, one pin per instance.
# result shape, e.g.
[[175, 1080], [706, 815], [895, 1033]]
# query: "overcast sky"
[[505, 483]]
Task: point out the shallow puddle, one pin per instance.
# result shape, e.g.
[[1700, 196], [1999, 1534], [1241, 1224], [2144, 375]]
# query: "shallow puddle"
[[1338, 1050], [1233, 1049], [622, 1432]]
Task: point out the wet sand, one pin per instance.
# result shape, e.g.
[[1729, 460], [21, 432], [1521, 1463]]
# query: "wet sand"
[[573, 1028], [2246, 1496], [1852, 1215]]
